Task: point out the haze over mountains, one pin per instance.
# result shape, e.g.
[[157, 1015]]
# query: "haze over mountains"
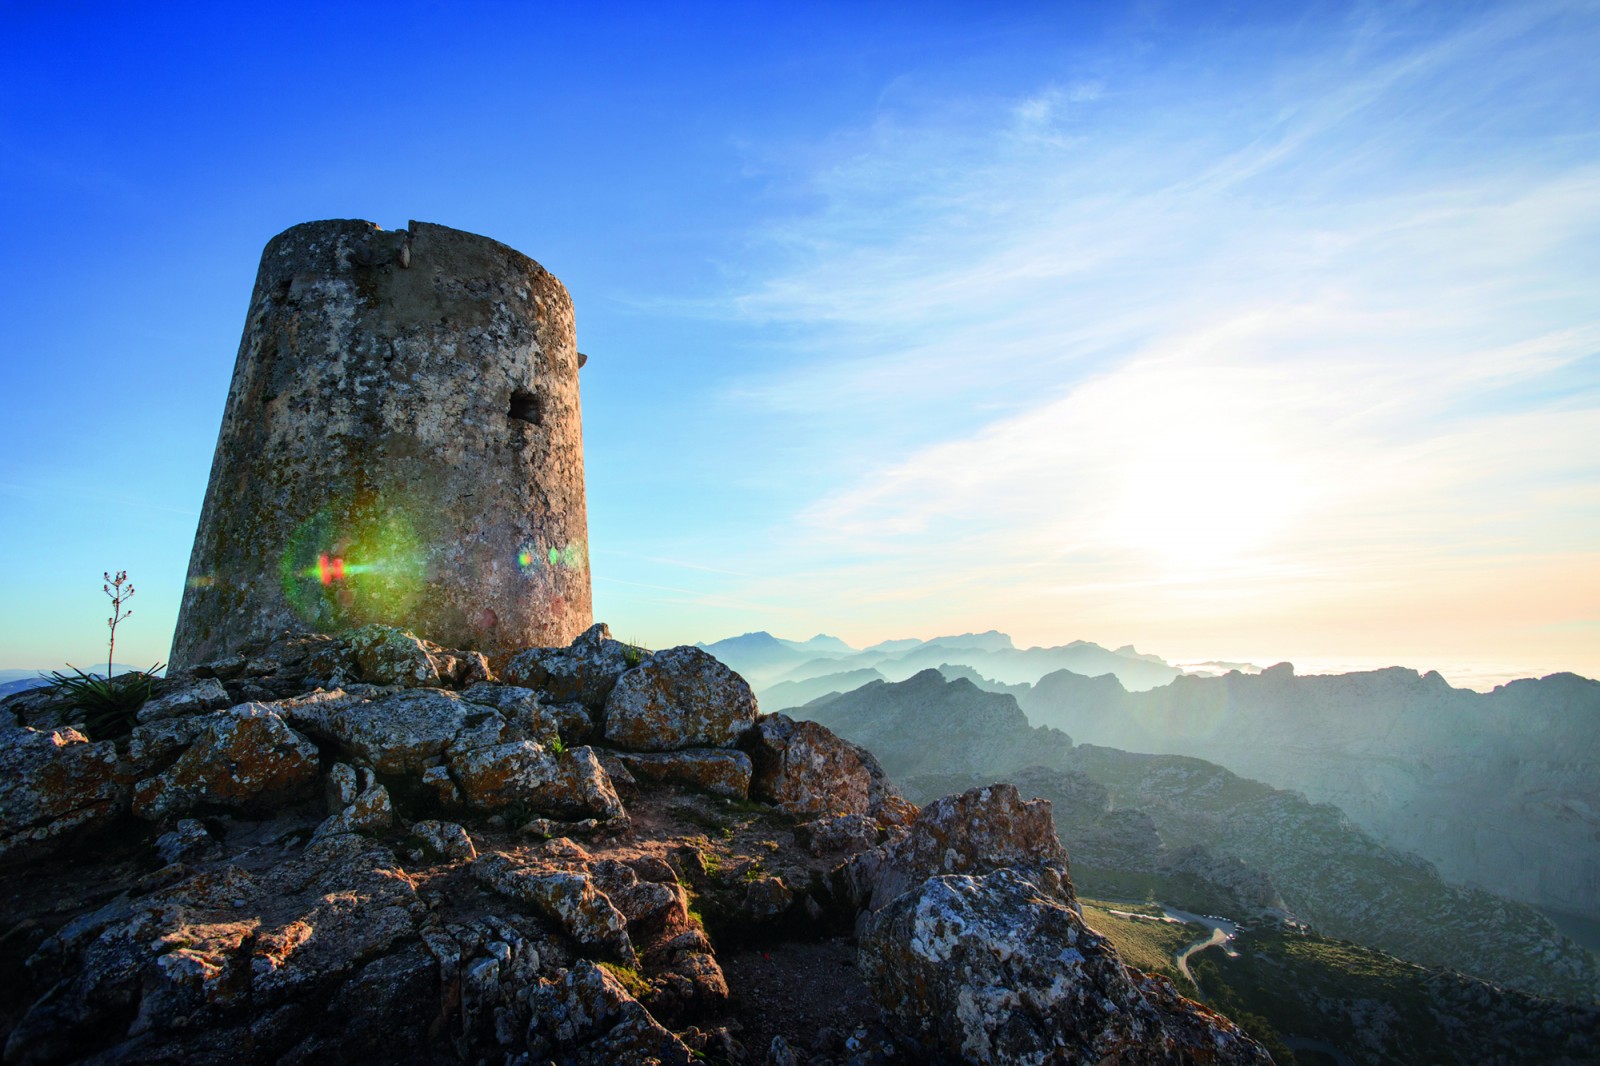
[[1128, 813], [1498, 789], [1428, 792], [767, 661]]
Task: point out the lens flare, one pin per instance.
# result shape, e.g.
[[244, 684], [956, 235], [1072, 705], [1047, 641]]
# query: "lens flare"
[[354, 562], [532, 558]]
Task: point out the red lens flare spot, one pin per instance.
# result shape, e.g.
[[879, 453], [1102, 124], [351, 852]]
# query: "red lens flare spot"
[[330, 569]]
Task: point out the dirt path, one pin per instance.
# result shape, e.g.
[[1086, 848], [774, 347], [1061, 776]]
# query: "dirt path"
[[809, 993]]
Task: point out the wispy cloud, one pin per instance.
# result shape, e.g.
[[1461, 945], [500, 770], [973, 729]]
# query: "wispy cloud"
[[1129, 335]]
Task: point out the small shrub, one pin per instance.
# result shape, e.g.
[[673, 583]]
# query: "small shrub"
[[557, 746]]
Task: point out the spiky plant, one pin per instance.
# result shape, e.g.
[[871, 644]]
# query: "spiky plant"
[[110, 704]]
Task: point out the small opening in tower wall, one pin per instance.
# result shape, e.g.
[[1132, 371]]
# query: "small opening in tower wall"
[[525, 407]]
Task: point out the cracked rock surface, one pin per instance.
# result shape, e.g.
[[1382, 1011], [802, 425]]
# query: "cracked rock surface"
[[372, 854]]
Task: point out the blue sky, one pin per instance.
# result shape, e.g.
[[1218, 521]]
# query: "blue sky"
[[1227, 330]]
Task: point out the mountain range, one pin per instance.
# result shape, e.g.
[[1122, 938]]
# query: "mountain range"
[[1497, 790], [766, 661], [1131, 814]]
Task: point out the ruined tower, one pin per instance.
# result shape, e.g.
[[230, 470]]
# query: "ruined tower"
[[402, 444]]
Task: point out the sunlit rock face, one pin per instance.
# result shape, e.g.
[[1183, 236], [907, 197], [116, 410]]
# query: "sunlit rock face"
[[401, 444]]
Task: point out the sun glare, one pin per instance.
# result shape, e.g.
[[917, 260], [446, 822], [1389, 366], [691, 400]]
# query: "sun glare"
[[1193, 505]]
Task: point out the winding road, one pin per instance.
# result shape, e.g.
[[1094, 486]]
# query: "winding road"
[[1222, 931]]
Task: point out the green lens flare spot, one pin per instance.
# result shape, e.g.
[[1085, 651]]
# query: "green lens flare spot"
[[352, 563]]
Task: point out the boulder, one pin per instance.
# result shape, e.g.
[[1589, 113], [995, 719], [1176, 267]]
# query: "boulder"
[[999, 968], [586, 1017], [53, 782], [585, 672], [568, 898], [370, 812], [767, 899], [977, 831], [42, 707], [196, 697], [386, 655], [243, 757], [805, 768], [214, 955], [406, 732], [649, 906], [540, 720], [443, 840], [678, 698], [189, 841], [719, 771], [570, 785], [844, 832]]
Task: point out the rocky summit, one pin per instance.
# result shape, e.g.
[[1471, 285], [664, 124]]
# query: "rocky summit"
[[374, 849]]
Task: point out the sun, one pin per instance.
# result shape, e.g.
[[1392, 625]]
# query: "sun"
[[1195, 502]]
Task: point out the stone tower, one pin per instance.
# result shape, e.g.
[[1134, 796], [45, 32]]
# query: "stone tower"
[[402, 444]]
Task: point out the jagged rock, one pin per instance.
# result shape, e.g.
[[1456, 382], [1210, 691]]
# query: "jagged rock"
[[54, 782], [715, 1045], [196, 697], [446, 794], [443, 840], [980, 830], [251, 947], [884, 801], [216, 951], [228, 668], [585, 1016], [767, 899], [342, 786], [551, 828], [572, 784], [845, 832], [584, 672], [678, 698], [152, 746], [566, 897], [999, 968], [242, 757], [188, 841], [386, 1007], [488, 966], [387, 655], [718, 771], [406, 732], [541, 721], [688, 982], [41, 707], [371, 812], [649, 906], [779, 1053], [805, 769]]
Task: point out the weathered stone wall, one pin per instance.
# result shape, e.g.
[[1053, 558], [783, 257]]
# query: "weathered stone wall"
[[402, 444]]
